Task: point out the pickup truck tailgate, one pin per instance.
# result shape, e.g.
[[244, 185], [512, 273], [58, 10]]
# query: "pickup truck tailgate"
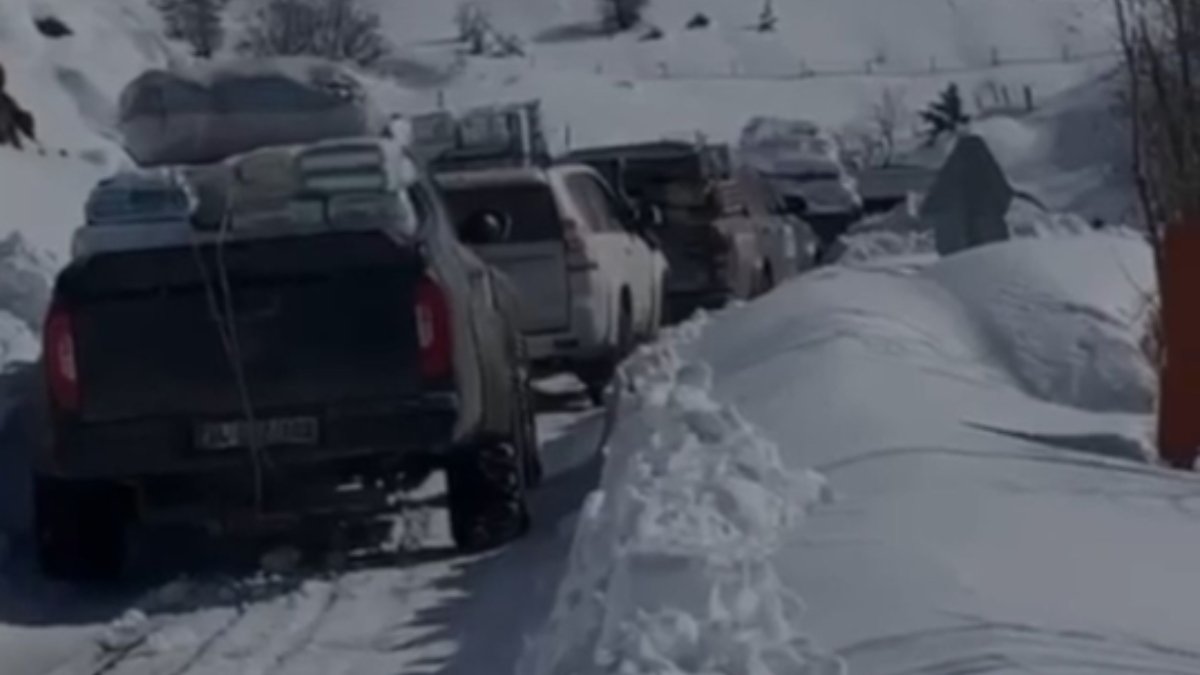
[[319, 320]]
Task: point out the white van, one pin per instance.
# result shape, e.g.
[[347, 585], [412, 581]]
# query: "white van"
[[590, 276]]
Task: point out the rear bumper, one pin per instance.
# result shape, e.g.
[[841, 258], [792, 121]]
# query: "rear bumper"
[[561, 351], [130, 450]]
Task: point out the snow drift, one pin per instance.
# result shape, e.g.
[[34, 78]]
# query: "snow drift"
[[941, 487], [670, 571]]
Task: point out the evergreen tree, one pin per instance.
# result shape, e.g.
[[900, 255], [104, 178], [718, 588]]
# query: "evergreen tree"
[[767, 18], [946, 115]]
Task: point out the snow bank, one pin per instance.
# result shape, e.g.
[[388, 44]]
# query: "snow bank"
[[669, 570], [969, 505], [1063, 316], [25, 279]]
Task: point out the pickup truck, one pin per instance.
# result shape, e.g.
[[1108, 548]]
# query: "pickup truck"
[[279, 368]]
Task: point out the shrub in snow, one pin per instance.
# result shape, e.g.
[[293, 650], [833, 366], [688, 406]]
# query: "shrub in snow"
[[338, 30], [945, 116], [655, 33], [698, 21], [52, 27], [620, 15], [199, 23], [474, 25], [506, 45]]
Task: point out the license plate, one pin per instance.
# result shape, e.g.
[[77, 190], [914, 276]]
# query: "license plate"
[[238, 434]]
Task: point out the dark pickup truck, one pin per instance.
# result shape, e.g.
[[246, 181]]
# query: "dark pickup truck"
[[260, 381]]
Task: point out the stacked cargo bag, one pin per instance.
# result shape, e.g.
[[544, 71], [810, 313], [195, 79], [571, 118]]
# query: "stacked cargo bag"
[[208, 113], [341, 184], [135, 209]]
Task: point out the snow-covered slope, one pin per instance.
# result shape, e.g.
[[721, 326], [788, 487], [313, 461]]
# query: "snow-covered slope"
[[1073, 153], [953, 500], [70, 84], [608, 88]]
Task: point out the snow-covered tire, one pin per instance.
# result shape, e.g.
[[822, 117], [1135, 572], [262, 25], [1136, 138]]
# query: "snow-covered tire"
[[764, 281], [597, 375], [79, 529], [527, 434], [487, 500]]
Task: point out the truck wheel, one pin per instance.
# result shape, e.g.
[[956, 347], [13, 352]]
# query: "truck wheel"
[[765, 282], [596, 376], [527, 428], [79, 529], [486, 489]]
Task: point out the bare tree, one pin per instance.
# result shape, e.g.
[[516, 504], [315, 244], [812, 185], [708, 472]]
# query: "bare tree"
[[621, 15], [508, 44], [339, 30], [474, 26], [889, 116], [197, 22], [1160, 40]]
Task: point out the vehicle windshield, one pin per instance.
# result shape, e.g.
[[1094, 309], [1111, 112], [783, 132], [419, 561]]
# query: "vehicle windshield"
[[504, 214]]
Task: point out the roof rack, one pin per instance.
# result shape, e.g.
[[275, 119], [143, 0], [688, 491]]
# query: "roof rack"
[[507, 135]]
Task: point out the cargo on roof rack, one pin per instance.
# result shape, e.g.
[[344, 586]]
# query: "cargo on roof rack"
[[489, 136], [205, 113]]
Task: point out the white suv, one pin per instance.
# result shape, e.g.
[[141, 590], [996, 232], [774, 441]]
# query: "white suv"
[[589, 274]]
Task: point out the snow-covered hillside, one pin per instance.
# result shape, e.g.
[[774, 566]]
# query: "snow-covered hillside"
[[596, 88], [608, 88], [953, 498], [70, 84]]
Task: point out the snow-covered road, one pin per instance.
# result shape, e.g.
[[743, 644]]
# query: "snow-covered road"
[[419, 610]]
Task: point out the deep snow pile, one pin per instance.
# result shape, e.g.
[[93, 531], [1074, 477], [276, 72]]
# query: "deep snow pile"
[[975, 509], [670, 569]]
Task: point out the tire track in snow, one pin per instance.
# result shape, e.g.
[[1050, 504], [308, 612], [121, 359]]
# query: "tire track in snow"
[[298, 634], [136, 651], [255, 636]]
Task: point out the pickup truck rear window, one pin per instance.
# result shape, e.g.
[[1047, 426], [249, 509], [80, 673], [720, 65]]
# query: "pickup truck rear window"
[[508, 214]]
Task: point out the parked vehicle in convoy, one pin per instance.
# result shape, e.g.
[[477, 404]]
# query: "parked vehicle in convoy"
[[586, 268], [244, 342], [804, 164], [719, 231]]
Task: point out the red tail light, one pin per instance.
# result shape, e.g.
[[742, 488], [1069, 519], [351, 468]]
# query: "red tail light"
[[434, 330], [58, 348]]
